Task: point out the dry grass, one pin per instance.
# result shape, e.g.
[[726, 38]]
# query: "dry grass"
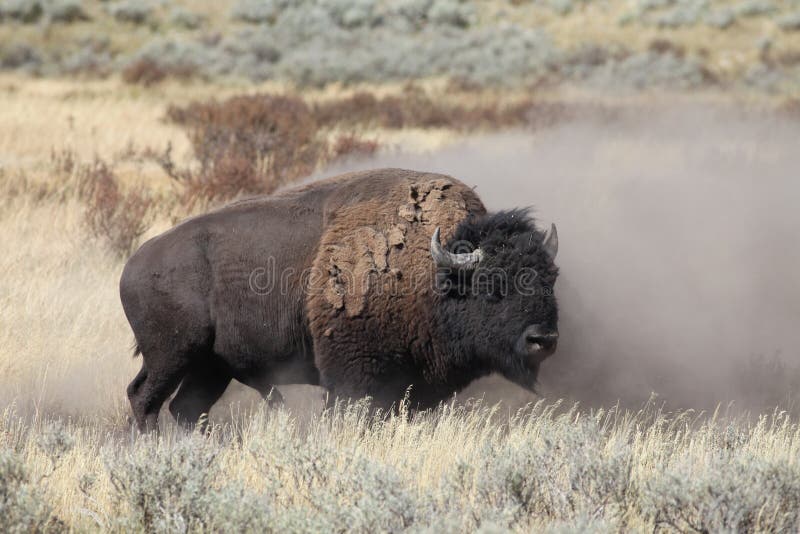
[[65, 348]]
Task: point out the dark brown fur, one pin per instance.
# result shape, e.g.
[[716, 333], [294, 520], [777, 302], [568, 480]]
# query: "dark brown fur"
[[353, 305]]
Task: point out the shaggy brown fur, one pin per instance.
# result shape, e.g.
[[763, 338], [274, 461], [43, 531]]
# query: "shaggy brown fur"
[[370, 309]]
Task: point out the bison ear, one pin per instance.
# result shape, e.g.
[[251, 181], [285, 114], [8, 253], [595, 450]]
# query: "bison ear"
[[551, 242]]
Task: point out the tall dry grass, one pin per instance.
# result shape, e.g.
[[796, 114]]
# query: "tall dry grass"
[[64, 344]]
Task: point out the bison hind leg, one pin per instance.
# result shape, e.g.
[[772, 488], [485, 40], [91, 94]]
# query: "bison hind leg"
[[203, 385], [133, 394], [155, 382]]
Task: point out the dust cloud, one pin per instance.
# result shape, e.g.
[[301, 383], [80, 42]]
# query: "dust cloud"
[[679, 250]]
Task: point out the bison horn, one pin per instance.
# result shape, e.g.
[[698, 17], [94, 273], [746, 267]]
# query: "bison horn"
[[445, 258], [551, 242]]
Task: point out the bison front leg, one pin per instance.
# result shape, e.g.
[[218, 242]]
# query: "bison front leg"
[[203, 385], [386, 390]]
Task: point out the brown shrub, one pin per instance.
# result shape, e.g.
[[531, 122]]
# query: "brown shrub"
[[143, 72], [362, 108], [415, 108], [352, 145], [789, 58], [248, 145], [789, 108], [117, 217], [665, 46], [257, 143], [147, 72]]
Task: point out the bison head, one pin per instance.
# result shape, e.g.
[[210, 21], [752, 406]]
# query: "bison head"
[[495, 295]]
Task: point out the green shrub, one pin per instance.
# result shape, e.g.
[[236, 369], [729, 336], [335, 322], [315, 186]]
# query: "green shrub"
[[451, 13], [20, 56], [174, 488], [721, 19], [66, 11], [131, 11], [184, 18], [790, 21], [257, 11], [562, 7], [23, 507], [733, 492], [26, 11], [755, 8]]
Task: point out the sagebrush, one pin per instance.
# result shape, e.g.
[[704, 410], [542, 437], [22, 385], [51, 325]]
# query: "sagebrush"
[[457, 468]]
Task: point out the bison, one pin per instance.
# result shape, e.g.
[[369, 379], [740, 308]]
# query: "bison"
[[381, 283]]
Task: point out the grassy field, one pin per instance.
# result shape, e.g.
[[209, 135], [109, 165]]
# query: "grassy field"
[[69, 461]]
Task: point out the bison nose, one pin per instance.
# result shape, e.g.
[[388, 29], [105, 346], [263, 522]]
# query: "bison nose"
[[538, 341]]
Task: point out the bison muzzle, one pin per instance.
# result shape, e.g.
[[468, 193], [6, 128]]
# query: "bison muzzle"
[[375, 284]]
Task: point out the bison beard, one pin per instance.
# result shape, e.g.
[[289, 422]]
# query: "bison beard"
[[335, 284]]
